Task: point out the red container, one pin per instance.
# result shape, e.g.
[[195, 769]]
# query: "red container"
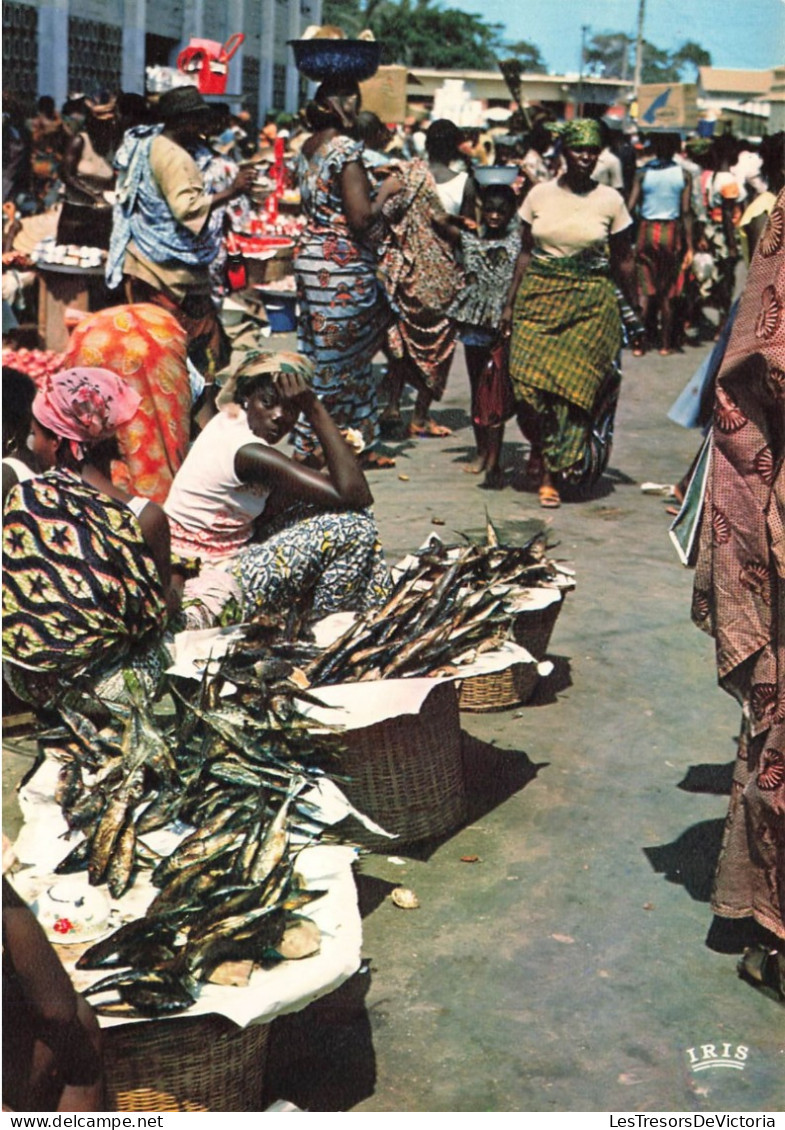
[[209, 61]]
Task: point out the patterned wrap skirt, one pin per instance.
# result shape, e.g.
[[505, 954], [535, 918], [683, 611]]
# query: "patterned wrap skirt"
[[563, 363], [310, 562], [343, 317], [659, 250]]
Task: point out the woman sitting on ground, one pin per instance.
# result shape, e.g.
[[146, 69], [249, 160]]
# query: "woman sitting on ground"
[[273, 535], [86, 568]]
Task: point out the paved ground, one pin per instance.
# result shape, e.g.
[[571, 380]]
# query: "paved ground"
[[574, 966]]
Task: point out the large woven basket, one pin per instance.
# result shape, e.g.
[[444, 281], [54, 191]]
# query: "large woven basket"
[[192, 1064], [498, 690], [406, 773], [532, 629]]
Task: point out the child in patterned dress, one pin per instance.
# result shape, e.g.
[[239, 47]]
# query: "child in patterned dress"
[[489, 256]]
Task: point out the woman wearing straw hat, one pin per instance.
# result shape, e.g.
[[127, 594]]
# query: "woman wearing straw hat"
[[162, 241]]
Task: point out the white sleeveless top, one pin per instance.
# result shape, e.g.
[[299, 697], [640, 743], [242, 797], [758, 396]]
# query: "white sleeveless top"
[[20, 469], [211, 511]]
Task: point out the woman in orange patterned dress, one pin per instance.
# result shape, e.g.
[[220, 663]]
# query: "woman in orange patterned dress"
[[146, 346]]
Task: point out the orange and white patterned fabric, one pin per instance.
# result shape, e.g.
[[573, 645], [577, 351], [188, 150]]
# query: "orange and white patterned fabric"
[[146, 346]]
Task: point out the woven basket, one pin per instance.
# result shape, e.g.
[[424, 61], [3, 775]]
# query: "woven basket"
[[407, 774], [532, 628], [197, 1063], [498, 690]]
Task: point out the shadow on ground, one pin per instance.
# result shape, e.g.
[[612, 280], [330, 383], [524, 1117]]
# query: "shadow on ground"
[[690, 860], [714, 779], [322, 1058]]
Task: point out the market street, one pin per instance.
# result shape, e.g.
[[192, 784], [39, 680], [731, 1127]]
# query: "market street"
[[566, 969]]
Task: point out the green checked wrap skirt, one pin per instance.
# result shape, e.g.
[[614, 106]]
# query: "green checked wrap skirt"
[[566, 338]]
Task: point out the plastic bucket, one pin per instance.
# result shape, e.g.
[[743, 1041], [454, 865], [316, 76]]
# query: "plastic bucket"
[[281, 313]]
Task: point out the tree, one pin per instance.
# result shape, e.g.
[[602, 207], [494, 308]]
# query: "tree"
[[609, 56], [529, 57], [691, 54], [420, 33], [612, 55]]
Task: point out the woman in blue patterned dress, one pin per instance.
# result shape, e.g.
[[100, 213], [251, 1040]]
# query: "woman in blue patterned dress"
[[343, 310]]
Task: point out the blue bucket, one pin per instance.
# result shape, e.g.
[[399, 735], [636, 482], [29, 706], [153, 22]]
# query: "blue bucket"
[[281, 313]]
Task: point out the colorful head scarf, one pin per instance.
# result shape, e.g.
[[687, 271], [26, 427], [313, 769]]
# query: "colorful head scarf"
[[581, 131], [257, 364], [84, 406]]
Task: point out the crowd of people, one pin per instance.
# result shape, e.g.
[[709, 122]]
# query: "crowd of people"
[[153, 452]]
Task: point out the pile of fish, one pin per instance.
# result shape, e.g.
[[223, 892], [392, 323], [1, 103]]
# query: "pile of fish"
[[449, 604], [234, 770]]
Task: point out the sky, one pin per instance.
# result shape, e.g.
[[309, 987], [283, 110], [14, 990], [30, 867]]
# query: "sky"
[[736, 33]]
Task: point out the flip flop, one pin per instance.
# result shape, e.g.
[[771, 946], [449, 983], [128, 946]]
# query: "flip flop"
[[429, 429], [549, 498], [373, 461]]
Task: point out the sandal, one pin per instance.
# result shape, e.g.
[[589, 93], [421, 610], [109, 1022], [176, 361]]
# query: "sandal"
[[764, 967], [429, 429], [549, 498], [373, 461]]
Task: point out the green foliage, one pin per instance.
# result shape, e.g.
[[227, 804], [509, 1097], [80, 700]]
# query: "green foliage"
[[613, 56], [529, 57], [421, 33]]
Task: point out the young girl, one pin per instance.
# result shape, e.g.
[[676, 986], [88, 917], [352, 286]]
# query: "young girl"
[[489, 256]]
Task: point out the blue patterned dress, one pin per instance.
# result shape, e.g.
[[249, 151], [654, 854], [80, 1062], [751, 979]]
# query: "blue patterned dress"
[[343, 311]]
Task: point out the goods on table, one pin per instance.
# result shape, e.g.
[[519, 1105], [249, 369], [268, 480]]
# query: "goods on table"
[[49, 253], [36, 363], [236, 771], [449, 604]]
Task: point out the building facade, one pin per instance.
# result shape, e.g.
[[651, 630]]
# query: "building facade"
[[58, 47]]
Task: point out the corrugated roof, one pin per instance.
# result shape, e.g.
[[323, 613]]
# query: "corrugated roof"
[[725, 80]]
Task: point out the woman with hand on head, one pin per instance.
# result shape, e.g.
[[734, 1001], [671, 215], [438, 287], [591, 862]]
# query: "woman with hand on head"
[[562, 311], [272, 534]]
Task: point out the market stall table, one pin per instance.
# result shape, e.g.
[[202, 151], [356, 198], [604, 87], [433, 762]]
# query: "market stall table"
[[60, 288]]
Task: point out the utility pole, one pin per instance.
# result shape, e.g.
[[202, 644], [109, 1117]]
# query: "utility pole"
[[639, 47], [584, 29]]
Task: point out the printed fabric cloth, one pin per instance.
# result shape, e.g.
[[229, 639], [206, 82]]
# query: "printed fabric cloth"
[[421, 275], [80, 589], [739, 586], [343, 312], [566, 337], [146, 346], [488, 265]]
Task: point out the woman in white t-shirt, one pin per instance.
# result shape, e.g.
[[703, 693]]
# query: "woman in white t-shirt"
[[563, 316], [273, 535]]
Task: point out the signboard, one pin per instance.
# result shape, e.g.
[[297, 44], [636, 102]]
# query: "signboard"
[[672, 105]]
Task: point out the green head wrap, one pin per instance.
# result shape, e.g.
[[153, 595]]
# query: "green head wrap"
[[257, 363], [581, 131]]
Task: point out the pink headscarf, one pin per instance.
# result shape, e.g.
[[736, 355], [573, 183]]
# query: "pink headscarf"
[[84, 405]]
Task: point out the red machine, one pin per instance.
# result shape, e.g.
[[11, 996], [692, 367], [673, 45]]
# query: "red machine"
[[209, 61]]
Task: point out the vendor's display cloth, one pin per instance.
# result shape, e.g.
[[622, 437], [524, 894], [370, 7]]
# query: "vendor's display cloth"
[[80, 589], [146, 346], [739, 589]]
